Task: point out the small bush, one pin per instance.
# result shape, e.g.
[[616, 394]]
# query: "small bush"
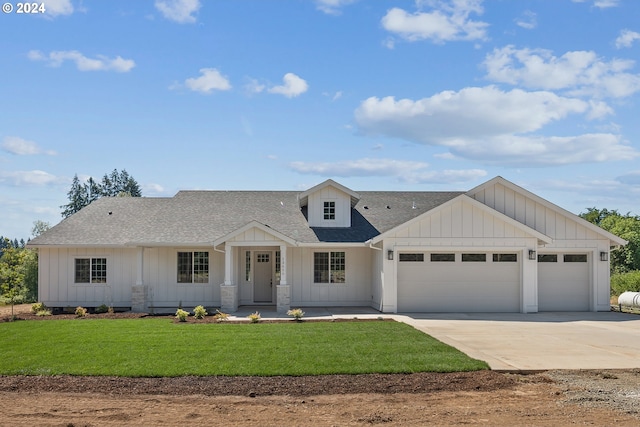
[[81, 311], [101, 309], [624, 282], [44, 312], [220, 316], [296, 313], [254, 317], [199, 312], [182, 315], [38, 306]]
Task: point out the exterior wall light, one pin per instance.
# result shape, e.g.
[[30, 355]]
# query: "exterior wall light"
[[532, 254], [604, 256], [390, 255]]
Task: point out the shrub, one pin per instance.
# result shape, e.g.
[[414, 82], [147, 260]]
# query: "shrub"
[[81, 311], [220, 316], [254, 317], [199, 312], [44, 312], [182, 315], [101, 309], [38, 306], [296, 313], [624, 282]]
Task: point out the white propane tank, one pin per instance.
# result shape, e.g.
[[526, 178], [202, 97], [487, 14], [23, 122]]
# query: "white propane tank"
[[629, 299]]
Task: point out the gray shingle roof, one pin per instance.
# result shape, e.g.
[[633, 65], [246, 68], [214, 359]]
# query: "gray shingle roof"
[[201, 217]]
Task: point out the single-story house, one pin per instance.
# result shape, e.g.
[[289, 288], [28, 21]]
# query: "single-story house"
[[495, 248]]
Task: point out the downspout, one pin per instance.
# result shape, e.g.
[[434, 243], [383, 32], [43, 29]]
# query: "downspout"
[[381, 305]]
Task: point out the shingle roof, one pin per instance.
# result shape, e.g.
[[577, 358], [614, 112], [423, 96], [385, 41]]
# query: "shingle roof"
[[201, 217]]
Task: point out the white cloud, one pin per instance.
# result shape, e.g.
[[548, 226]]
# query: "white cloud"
[[626, 38], [578, 72], [446, 21], [254, 86], [83, 63], [55, 8], [474, 112], [34, 177], [528, 20], [493, 126], [180, 11], [406, 171], [152, 188], [527, 151], [601, 4], [332, 7], [22, 147], [292, 86], [210, 80]]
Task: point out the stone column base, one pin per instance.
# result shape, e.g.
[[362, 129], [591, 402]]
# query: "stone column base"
[[228, 298], [284, 298]]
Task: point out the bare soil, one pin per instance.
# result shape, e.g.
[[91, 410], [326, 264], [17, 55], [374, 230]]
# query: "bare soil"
[[478, 398]]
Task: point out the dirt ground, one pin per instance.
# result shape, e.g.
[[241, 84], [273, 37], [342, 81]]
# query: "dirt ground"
[[479, 398]]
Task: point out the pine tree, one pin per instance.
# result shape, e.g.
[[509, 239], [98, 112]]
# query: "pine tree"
[[112, 185]]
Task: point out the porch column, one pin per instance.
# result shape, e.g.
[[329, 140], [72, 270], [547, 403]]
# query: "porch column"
[[139, 303], [228, 290], [283, 290]]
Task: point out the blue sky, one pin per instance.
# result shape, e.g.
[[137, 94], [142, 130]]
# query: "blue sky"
[[283, 94]]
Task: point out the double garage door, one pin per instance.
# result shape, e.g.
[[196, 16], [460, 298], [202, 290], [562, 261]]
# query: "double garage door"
[[488, 282]]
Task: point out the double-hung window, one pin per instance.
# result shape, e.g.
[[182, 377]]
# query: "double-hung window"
[[329, 267], [91, 270], [193, 267]]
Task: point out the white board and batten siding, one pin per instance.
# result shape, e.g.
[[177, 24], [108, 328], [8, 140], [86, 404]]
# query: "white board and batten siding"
[[460, 227], [342, 202], [56, 277], [160, 276], [356, 291], [579, 285], [541, 216]]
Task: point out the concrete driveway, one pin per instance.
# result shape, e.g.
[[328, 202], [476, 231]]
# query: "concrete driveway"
[[540, 341]]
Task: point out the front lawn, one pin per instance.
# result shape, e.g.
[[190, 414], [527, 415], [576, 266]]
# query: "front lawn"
[[161, 348]]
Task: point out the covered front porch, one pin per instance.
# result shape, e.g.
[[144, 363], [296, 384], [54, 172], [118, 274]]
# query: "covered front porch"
[[255, 268]]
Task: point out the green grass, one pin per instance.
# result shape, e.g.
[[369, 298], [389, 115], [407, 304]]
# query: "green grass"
[[161, 348]]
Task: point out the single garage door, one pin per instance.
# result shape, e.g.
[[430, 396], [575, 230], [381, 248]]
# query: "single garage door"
[[458, 282], [563, 282]]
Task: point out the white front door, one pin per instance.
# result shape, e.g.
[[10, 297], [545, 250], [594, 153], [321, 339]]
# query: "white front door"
[[263, 277]]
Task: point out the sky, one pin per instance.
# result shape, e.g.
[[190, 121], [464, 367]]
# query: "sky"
[[420, 95]]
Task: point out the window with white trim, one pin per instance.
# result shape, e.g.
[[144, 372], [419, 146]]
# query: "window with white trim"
[[329, 210], [329, 267], [91, 270], [193, 267]]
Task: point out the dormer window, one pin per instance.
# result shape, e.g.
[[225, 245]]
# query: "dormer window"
[[329, 210]]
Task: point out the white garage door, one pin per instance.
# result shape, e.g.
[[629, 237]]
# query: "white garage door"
[[563, 282], [458, 282]]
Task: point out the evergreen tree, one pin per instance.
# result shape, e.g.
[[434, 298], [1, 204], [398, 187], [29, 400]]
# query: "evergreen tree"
[[77, 198], [112, 185]]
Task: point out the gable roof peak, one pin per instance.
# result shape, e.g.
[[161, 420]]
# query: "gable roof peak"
[[304, 196]]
